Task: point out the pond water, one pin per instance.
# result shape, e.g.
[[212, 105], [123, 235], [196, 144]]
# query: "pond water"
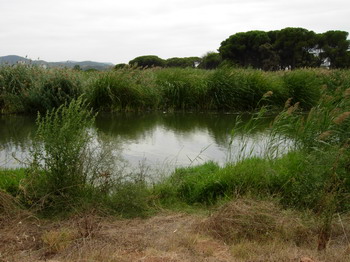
[[154, 139]]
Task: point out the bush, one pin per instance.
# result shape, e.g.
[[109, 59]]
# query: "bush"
[[57, 176]]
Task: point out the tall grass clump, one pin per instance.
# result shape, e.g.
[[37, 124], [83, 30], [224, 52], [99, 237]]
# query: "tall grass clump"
[[335, 79], [56, 88], [322, 136], [123, 90], [29, 88], [243, 90], [16, 83], [303, 86], [184, 89]]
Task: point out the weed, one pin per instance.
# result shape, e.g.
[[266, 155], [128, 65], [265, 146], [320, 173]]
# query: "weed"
[[57, 173]]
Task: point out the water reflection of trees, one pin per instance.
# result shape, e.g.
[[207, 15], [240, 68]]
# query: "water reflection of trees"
[[15, 130], [129, 126], [139, 126]]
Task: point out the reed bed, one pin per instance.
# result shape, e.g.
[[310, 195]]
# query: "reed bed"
[[29, 89]]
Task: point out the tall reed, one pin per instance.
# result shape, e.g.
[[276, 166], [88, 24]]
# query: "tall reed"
[[26, 88]]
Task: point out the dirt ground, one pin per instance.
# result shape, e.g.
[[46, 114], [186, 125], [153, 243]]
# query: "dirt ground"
[[168, 236]]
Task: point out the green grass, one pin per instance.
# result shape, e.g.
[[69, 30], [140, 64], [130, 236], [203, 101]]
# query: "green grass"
[[297, 180], [10, 180]]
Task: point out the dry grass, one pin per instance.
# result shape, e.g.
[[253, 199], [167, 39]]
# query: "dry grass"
[[341, 118], [8, 207], [258, 221], [262, 232]]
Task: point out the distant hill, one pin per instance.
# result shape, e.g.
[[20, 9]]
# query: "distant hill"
[[84, 65], [12, 59]]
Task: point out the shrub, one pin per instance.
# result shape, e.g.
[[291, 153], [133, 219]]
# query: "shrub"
[[57, 175]]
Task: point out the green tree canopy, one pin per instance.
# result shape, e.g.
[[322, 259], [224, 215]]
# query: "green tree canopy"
[[210, 60], [335, 45], [147, 61], [290, 47], [120, 66], [183, 61], [243, 49], [294, 47]]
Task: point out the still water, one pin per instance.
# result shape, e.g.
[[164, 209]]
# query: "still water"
[[153, 139]]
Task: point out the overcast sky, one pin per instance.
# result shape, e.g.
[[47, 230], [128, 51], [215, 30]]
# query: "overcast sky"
[[118, 31]]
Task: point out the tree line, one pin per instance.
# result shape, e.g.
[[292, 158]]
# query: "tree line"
[[272, 50]]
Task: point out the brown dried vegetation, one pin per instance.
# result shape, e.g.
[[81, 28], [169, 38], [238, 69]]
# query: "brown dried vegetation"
[[242, 230]]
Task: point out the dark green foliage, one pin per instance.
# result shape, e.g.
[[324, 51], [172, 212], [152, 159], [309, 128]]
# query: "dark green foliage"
[[269, 58], [287, 48], [183, 62], [211, 60], [243, 49], [294, 45], [335, 46], [77, 67], [120, 66], [147, 61]]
